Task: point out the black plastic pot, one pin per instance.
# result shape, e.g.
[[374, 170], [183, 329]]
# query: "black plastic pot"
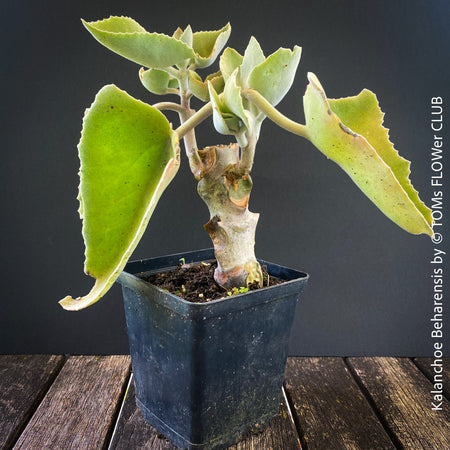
[[207, 373]]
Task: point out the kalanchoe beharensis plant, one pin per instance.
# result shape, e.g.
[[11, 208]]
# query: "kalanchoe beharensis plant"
[[129, 152]]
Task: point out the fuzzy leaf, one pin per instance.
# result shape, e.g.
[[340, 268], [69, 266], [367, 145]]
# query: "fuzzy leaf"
[[349, 131], [274, 77], [126, 37], [200, 88], [185, 36], [253, 57], [233, 99], [225, 121], [219, 110], [156, 80], [216, 80], [129, 154], [208, 44], [230, 60]]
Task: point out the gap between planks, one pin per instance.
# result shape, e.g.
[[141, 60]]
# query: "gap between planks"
[[79, 408], [34, 384], [119, 414], [403, 399], [131, 430], [330, 409]]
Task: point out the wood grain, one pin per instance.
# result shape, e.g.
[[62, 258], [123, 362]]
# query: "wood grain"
[[79, 409], [24, 379], [329, 407], [424, 364], [133, 432], [401, 393]]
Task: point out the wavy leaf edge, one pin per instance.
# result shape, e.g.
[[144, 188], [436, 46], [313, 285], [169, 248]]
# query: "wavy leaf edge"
[[427, 221], [101, 286]]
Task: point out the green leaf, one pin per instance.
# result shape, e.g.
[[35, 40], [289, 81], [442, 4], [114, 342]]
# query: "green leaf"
[[349, 131], [274, 77], [156, 80], [200, 88], [217, 81], [230, 60], [129, 154], [126, 37], [225, 122], [185, 36], [219, 110], [233, 99], [208, 44], [253, 57]]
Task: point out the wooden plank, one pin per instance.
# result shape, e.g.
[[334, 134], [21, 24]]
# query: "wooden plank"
[[431, 368], [81, 405], [133, 432], [24, 379], [329, 408], [402, 395]]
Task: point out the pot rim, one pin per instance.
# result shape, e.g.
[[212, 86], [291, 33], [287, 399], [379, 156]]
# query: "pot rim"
[[132, 275]]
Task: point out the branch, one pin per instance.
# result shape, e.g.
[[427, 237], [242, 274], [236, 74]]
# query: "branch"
[[196, 119], [247, 156], [170, 106], [275, 115]]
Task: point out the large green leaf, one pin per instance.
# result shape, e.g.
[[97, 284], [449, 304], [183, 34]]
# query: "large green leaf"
[[349, 131], [129, 154], [126, 37], [273, 78]]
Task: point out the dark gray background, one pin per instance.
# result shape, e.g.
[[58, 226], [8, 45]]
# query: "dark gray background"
[[370, 291]]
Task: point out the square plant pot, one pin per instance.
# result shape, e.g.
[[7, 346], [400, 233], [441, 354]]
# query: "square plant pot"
[[208, 373]]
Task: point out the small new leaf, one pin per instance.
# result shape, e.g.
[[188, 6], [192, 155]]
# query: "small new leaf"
[[157, 81], [233, 99], [230, 60], [185, 36], [253, 57], [200, 88], [349, 131], [226, 121]]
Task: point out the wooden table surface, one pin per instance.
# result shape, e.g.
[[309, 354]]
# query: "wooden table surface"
[[87, 402]]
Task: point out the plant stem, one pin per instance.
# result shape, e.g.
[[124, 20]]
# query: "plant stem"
[[231, 226], [248, 156], [275, 115], [188, 135], [194, 120], [169, 106]]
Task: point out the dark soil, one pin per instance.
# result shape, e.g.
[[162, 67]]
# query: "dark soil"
[[195, 282]]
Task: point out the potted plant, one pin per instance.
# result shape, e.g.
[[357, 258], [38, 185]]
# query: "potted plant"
[[197, 362]]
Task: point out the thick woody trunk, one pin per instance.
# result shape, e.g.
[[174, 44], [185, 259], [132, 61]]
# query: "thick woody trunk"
[[231, 226]]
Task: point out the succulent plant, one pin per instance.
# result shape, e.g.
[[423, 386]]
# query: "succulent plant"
[[129, 151]]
